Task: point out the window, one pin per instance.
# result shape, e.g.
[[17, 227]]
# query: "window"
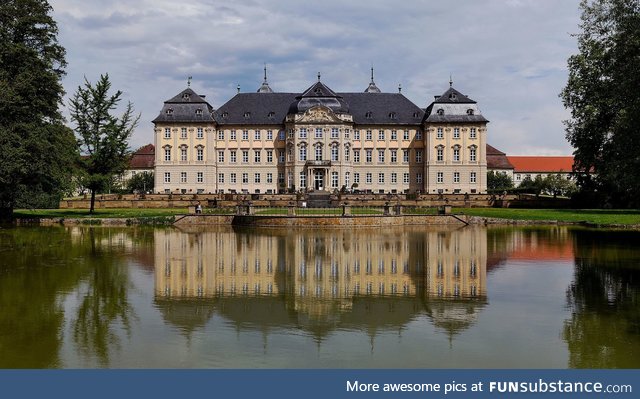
[[470, 111], [232, 178], [347, 176], [334, 153], [167, 177], [347, 133], [405, 135], [245, 178], [440, 133], [356, 135], [167, 154], [257, 135], [439, 177], [518, 177], [380, 134], [394, 177], [170, 111], [347, 153], [456, 177], [167, 133], [303, 179], [456, 132], [356, 178], [245, 135], [456, 154], [356, 156], [334, 179], [269, 135], [472, 154], [199, 133], [318, 133], [303, 153], [200, 154], [368, 178], [256, 156], [232, 135], [335, 134], [394, 135], [245, 156], [394, 156], [368, 115], [392, 115], [440, 111], [256, 177], [183, 177], [247, 115], [405, 177], [472, 177], [439, 154], [368, 156], [281, 156], [419, 178], [269, 178], [183, 154], [380, 156], [472, 133], [183, 133], [233, 156], [419, 135], [405, 156], [368, 135], [281, 135], [199, 177], [221, 178], [303, 132], [381, 178], [418, 156], [220, 134], [318, 153], [269, 156]]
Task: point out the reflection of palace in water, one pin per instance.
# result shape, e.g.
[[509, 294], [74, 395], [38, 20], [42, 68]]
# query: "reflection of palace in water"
[[325, 275]]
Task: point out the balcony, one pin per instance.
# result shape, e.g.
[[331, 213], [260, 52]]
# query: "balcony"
[[318, 163]]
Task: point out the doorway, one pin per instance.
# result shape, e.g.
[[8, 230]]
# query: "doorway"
[[318, 179]]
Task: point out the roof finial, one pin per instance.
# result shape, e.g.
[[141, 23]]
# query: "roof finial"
[[189, 81], [371, 73], [238, 87], [318, 76], [450, 81], [399, 88], [265, 72]]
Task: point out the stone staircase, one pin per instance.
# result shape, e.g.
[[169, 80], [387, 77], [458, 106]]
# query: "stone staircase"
[[318, 199]]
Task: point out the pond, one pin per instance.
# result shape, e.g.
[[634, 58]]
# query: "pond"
[[407, 297]]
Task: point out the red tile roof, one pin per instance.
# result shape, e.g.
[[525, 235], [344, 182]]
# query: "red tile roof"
[[143, 158], [523, 164]]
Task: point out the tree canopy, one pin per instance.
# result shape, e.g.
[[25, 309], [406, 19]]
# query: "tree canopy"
[[38, 151], [103, 137], [602, 94]]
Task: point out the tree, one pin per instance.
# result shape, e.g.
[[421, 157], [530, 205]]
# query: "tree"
[[38, 151], [140, 183], [498, 181], [556, 184], [102, 137], [602, 94]]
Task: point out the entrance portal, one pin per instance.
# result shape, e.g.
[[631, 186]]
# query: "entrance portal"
[[319, 179]]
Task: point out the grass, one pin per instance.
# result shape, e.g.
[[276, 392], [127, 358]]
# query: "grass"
[[127, 213], [595, 216]]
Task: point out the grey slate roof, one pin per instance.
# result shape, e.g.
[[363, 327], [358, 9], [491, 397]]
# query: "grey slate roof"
[[382, 106], [255, 109], [455, 107], [453, 96], [184, 107], [319, 94]]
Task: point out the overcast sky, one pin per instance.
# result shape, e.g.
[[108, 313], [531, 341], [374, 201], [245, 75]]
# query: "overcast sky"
[[508, 55]]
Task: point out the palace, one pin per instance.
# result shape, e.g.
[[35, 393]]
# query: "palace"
[[270, 142]]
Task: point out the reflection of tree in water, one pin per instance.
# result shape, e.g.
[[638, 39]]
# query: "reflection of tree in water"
[[104, 304], [604, 330]]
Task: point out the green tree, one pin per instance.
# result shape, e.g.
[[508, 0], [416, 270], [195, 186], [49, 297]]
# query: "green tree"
[[498, 181], [602, 94], [557, 184], [38, 151], [140, 183], [103, 138]]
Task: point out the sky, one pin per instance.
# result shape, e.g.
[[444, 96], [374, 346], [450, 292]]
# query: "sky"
[[508, 55]]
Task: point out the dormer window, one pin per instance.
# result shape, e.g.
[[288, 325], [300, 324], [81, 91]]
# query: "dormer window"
[[225, 114], [416, 114], [453, 96], [199, 112], [318, 91], [392, 115], [186, 96], [368, 115], [470, 111], [247, 115], [170, 111], [271, 114], [440, 111]]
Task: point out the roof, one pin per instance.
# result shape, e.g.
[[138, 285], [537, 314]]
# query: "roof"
[[545, 164], [255, 109], [453, 106], [187, 106], [452, 96], [383, 109], [319, 94], [143, 157], [497, 159]]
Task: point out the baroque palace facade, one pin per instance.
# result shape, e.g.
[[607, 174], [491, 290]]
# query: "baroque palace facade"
[[269, 142]]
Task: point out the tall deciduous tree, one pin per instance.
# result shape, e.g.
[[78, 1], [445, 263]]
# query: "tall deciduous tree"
[[103, 137], [602, 94], [37, 150]]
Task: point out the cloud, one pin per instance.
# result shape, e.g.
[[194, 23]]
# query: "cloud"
[[509, 55]]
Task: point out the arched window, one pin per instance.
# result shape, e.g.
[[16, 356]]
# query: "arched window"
[[440, 111], [470, 111]]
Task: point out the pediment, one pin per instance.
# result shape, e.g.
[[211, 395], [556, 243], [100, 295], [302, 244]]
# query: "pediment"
[[318, 114]]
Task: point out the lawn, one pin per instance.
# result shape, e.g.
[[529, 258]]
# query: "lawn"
[[596, 216], [99, 213]]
